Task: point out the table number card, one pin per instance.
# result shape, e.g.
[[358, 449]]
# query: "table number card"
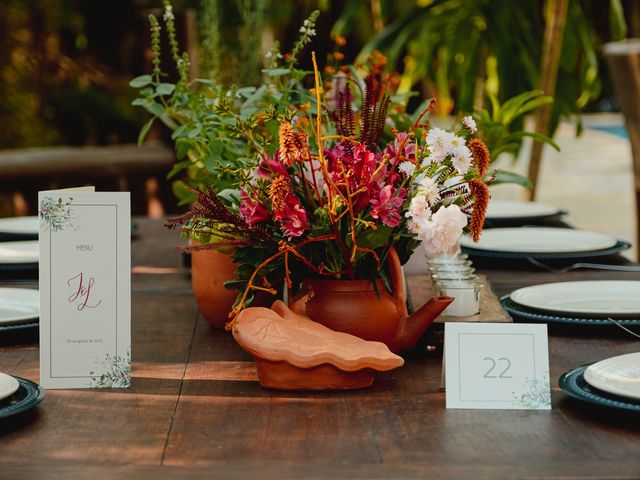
[[497, 366], [85, 289]]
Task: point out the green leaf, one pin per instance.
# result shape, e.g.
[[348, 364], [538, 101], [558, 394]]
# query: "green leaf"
[[503, 177], [141, 81], [178, 167], [510, 107], [154, 109], [182, 192], [231, 195], [165, 88], [536, 136], [375, 238], [617, 23], [144, 130], [276, 72]]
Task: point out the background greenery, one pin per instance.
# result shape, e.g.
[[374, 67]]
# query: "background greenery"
[[65, 64]]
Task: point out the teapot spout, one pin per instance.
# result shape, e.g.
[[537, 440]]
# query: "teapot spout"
[[415, 326]]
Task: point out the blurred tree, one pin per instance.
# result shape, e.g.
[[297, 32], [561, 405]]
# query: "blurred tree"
[[64, 69], [231, 44]]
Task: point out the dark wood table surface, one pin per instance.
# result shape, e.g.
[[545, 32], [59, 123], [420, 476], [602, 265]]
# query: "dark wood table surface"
[[196, 410]]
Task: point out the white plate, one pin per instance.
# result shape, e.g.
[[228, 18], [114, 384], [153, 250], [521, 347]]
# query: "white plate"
[[18, 305], [19, 252], [539, 240], [505, 209], [19, 225], [617, 375], [589, 298], [8, 385]]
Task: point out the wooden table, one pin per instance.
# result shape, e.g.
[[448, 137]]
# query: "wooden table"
[[196, 411]]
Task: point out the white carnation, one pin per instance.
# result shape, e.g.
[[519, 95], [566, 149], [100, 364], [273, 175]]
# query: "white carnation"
[[443, 231], [419, 209]]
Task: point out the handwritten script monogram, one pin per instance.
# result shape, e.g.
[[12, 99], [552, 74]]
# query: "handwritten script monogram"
[[82, 292]]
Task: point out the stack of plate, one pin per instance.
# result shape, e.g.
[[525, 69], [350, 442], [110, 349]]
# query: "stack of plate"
[[19, 252], [19, 308], [614, 382], [582, 303], [542, 243], [19, 228], [501, 213]]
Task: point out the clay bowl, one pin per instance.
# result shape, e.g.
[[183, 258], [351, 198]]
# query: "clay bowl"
[[292, 352]]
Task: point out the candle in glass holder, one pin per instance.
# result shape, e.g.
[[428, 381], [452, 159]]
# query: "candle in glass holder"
[[466, 294]]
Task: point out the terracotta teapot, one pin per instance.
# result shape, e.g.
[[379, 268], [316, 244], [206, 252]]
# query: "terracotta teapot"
[[354, 306]]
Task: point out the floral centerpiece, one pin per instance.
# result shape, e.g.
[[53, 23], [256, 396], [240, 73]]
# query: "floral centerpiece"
[[343, 189]]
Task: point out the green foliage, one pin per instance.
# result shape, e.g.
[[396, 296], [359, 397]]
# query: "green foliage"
[[221, 23], [457, 49], [499, 127], [219, 132]]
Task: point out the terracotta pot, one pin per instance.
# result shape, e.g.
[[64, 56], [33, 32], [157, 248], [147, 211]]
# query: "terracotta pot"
[[209, 270], [354, 306]]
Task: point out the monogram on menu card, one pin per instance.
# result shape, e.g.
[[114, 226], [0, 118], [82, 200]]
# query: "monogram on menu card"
[[82, 292]]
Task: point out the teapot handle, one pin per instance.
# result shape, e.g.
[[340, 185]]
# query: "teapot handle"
[[397, 281]]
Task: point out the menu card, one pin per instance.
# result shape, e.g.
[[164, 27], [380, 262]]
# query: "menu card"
[[85, 289]]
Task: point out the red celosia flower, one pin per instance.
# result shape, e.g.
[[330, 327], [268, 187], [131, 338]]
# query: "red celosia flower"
[[386, 206], [481, 156], [252, 211], [480, 193], [292, 217]]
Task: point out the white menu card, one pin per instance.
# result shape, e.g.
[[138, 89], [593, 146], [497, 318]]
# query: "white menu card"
[[85, 289]]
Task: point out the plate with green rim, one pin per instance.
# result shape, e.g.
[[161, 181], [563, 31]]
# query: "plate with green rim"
[[519, 312], [28, 395], [574, 384]]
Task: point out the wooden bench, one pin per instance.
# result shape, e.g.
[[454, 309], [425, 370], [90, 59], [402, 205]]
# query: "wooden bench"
[[23, 172]]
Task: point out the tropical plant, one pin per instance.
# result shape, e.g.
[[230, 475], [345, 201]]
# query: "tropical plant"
[[498, 128], [458, 49]]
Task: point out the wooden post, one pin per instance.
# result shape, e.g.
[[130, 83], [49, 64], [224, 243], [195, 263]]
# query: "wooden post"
[[555, 19], [624, 63]]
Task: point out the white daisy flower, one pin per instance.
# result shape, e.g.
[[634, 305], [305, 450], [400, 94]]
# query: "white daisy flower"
[[429, 188], [407, 168], [470, 124]]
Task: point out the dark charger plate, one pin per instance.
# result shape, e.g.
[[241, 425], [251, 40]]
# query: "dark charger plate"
[[519, 312], [28, 395], [574, 384]]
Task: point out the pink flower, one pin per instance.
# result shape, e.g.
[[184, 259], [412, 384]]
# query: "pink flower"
[[386, 206], [270, 165], [252, 211], [292, 217]]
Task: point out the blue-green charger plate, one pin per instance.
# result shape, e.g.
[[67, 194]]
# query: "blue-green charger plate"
[[28, 395], [574, 384], [519, 312]]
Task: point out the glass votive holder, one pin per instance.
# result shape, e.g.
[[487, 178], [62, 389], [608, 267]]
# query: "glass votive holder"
[[462, 268], [458, 259], [448, 276], [466, 294]]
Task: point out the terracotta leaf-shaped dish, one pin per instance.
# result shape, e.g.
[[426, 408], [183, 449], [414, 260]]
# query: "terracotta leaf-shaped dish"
[[292, 352]]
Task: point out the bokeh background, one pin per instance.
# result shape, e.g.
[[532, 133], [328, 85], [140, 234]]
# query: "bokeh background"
[[65, 65]]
